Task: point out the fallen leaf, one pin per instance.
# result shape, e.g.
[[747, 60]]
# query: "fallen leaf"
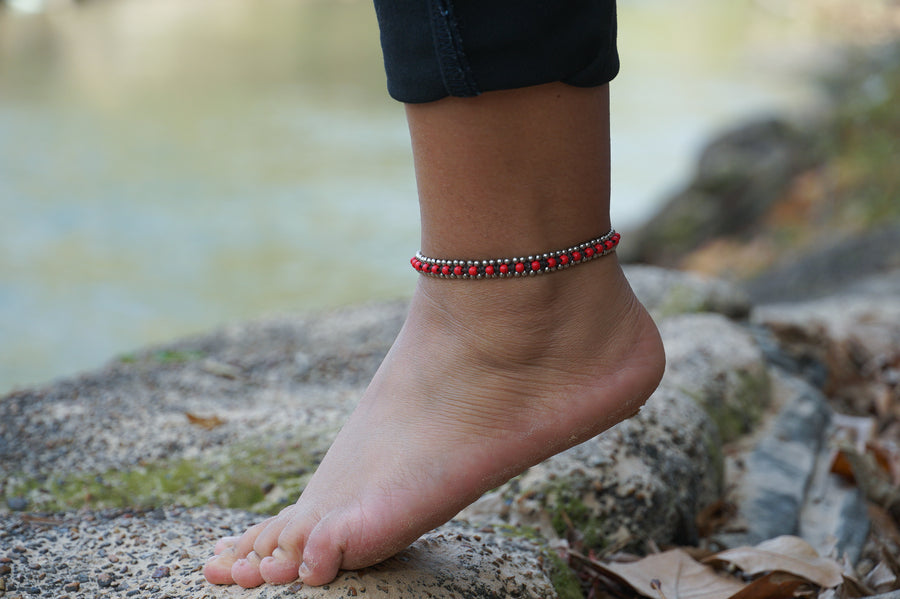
[[775, 585], [784, 554], [207, 423], [841, 466], [673, 575]]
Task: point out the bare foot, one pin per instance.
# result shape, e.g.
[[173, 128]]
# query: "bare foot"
[[485, 379]]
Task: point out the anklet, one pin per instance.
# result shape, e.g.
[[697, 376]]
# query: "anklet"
[[517, 267]]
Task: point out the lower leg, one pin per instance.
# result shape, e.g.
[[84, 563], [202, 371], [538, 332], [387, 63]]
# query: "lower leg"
[[471, 392]]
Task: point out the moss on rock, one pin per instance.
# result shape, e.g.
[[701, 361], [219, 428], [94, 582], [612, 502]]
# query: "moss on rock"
[[248, 476]]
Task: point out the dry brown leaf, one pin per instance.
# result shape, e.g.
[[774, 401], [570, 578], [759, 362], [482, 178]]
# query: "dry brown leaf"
[[775, 585], [785, 554], [674, 575], [840, 465], [207, 423]]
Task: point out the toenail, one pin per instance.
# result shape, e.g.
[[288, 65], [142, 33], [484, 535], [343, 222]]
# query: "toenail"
[[303, 571]]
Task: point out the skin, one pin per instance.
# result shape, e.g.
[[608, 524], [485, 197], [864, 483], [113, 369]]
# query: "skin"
[[487, 377]]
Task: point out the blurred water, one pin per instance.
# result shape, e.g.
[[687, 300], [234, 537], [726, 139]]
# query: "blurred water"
[[169, 166]]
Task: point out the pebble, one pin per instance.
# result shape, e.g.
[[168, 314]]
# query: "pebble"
[[17, 504], [104, 580], [72, 587], [5, 569], [160, 572]]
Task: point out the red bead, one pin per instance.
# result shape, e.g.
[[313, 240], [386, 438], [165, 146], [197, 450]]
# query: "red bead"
[[504, 269], [564, 259], [473, 271], [551, 262], [520, 267], [599, 248], [588, 252], [616, 237], [535, 266], [489, 269], [608, 244], [457, 270], [435, 269], [576, 256], [445, 270]]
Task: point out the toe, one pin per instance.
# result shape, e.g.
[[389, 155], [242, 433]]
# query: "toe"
[[218, 571], [281, 567], [322, 557], [245, 572], [287, 552], [267, 540], [228, 550], [223, 544]]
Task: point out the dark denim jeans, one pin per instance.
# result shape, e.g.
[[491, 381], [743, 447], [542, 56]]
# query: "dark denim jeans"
[[438, 48]]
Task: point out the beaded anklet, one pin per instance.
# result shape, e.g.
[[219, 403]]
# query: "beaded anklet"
[[517, 267]]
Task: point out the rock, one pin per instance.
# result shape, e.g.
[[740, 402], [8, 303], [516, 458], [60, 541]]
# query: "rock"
[[719, 364], [835, 266], [785, 486], [777, 472], [738, 177], [452, 561], [854, 336], [161, 420], [667, 293], [835, 514]]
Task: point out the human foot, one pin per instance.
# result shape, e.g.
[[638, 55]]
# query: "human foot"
[[485, 379]]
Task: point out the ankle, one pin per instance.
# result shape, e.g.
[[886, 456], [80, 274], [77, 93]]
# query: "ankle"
[[576, 308]]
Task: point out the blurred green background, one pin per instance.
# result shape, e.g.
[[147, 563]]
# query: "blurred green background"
[[168, 166]]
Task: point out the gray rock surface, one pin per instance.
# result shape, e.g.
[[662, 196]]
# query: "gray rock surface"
[[853, 337], [779, 469], [721, 366], [834, 267], [784, 485], [667, 293], [160, 554]]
